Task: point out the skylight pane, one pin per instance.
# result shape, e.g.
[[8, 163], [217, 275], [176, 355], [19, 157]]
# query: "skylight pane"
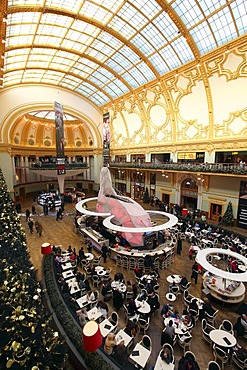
[[152, 33], [188, 11], [124, 62], [142, 44], [99, 99], [223, 26], [114, 65], [210, 6], [239, 9], [148, 7], [30, 2], [130, 79], [104, 48], [96, 54], [166, 26], [122, 27], [159, 63], [112, 90], [146, 71], [130, 54], [170, 57], [108, 39], [134, 71], [19, 40], [70, 5], [132, 15], [203, 37], [94, 11], [182, 49]]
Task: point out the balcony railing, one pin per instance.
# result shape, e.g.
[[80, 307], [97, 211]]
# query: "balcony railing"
[[53, 166], [223, 168]]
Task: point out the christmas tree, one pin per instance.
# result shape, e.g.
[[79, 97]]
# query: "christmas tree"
[[28, 339], [146, 197], [228, 215]]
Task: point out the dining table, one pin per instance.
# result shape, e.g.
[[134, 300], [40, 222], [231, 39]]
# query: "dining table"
[[94, 314], [119, 286], [174, 279], [140, 355], [122, 336], [89, 256], [66, 266], [142, 306], [178, 324], [222, 338], [106, 327], [68, 274], [83, 301]]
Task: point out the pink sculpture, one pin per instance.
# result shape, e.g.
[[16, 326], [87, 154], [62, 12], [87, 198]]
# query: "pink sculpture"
[[127, 212]]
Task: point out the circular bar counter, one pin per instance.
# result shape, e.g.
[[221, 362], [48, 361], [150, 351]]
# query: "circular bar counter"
[[224, 290]]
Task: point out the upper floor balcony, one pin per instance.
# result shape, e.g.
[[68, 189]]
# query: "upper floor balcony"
[[237, 169]]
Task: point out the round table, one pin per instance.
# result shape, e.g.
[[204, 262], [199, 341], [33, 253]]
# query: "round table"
[[170, 297], [142, 306], [119, 286], [242, 268], [89, 256], [222, 338], [179, 326], [101, 272], [174, 278], [98, 268]]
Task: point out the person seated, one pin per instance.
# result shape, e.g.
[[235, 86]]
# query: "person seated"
[[188, 364], [240, 326], [131, 328], [193, 305], [166, 355], [82, 316], [110, 343], [175, 315], [131, 307], [153, 301], [121, 353], [103, 308], [166, 311], [206, 307], [241, 353], [70, 249], [168, 334]]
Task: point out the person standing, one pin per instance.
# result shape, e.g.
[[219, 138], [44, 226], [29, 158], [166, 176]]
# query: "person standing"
[[27, 214], [30, 224], [195, 271], [179, 246], [39, 229], [104, 251]]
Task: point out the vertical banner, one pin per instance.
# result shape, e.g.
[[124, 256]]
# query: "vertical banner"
[[106, 138], [59, 129], [242, 206]]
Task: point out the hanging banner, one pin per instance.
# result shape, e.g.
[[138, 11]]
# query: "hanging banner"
[[242, 206], [106, 138], [59, 129]]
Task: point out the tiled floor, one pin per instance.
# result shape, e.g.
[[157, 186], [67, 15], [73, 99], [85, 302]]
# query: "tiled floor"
[[62, 232]]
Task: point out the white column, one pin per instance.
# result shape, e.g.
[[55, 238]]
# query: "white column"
[[61, 179], [148, 157], [209, 157]]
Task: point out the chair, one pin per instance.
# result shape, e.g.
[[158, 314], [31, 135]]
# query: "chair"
[[143, 324], [187, 297], [242, 364], [227, 326], [105, 277], [146, 342], [114, 320], [94, 302], [156, 263], [167, 345], [194, 313], [221, 355], [184, 341], [125, 262], [206, 329], [88, 273], [132, 263], [156, 288], [189, 354], [119, 261], [129, 294], [174, 289], [96, 261], [212, 365], [96, 280], [211, 318], [141, 263]]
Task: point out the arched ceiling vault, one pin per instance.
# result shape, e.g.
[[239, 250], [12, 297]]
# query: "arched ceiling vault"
[[104, 49]]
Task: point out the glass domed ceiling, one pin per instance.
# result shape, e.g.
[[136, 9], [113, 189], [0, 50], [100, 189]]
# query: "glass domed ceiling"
[[103, 49]]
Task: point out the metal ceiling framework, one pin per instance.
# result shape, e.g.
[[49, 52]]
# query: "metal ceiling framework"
[[104, 49]]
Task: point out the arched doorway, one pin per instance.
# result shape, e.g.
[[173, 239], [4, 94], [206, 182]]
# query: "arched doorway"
[[189, 194]]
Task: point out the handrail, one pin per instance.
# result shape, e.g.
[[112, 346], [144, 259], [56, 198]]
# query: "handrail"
[[224, 168]]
